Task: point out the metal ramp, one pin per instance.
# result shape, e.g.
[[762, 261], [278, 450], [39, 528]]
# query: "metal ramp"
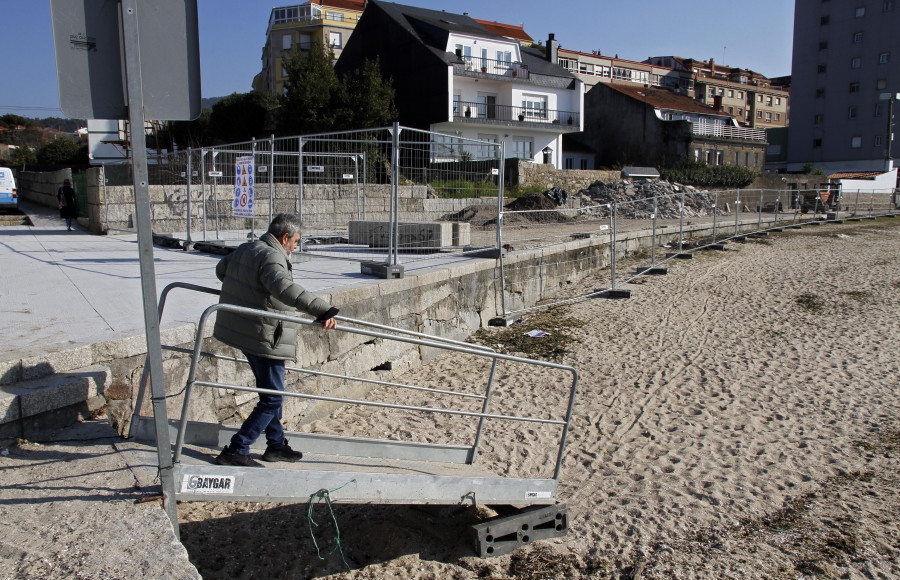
[[358, 470]]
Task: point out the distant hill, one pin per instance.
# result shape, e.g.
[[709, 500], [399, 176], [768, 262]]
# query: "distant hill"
[[208, 102]]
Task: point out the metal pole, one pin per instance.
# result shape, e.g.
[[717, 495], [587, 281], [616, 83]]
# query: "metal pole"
[[500, 193], [271, 177], [253, 212], [356, 181], [301, 142], [715, 209], [777, 203], [393, 240], [653, 240], [737, 210], [215, 193], [484, 409], [681, 226], [856, 205], [190, 178], [759, 209], [145, 250], [203, 187], [612, 247]]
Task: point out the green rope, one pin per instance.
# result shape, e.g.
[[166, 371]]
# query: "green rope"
[[326, 495]]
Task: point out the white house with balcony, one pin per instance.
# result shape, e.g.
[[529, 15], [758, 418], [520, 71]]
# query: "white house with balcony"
[[454, 76]]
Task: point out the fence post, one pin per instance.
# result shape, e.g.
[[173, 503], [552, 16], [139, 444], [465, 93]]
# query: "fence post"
[[190, 178], [856, 205], [653, 240], [203, 187], [393, 240], [872, 205], [612, 246], [253, 213], [715, 209], [737, 209], [681, 227], [215, 193], [300, 143], [271, 177], [762, 192], [777, 203], [501, 184]]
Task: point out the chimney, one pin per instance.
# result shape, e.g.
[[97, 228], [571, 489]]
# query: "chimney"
[[712, 66], [552, 48]]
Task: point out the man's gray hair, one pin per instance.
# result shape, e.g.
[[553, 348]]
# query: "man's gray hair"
[[285, 223]]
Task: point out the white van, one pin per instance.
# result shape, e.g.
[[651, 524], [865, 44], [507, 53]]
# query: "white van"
[[9, 199]]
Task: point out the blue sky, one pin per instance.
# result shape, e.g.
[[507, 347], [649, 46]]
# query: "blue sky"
[[756, 36]]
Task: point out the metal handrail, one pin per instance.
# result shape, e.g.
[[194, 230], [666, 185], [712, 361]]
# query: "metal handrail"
[[485, 112], [437, 343]]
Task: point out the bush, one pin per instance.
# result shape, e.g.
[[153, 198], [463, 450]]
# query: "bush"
[[700, 174]]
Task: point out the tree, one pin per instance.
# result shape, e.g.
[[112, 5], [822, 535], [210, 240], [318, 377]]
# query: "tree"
[[242, 116], [63, 152], [312, 90], [369, 98], [196, 133]]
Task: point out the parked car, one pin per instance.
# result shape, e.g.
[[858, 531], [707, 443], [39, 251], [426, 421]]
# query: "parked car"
[[9, 199]]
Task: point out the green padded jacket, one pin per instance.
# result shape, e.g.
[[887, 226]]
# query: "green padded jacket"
[[258, 275]]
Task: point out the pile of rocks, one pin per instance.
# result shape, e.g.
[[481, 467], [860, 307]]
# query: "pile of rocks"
[[635, 199]]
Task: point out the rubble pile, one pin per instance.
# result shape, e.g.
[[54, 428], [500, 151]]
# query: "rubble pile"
[[640, 194]]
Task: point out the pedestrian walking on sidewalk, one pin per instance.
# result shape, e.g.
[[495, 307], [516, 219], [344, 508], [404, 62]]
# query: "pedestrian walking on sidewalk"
[[258, 275], [68, 204]]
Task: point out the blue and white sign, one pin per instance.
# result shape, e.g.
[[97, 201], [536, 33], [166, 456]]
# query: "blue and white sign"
[[243, 187]]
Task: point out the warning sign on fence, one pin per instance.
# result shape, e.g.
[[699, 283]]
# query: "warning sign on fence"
[[243, 187]]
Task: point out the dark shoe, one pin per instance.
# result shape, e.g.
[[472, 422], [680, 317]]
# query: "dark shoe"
[[229, 457], [282, 454]]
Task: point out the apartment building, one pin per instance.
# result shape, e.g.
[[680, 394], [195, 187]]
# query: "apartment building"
[[455, 76], [754, 99], [329, 22], [594, 67], [846, 67]]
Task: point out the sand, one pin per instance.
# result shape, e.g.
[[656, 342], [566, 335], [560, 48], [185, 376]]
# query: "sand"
[[737, 418]]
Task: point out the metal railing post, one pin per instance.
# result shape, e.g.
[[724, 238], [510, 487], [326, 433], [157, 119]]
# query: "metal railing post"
[[856, 205], [653, 240], [737, 210], [777, 203], [253, 212], [872, 205], [271, 178], [612, 246], [215, 193], [203, 187], [759, 227], [715, 209], [190, 178], [500, 228], [681, 226], [301, 142], [393, 239]]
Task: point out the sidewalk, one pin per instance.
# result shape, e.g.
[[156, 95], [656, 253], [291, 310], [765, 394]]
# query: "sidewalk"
[[60, 290]]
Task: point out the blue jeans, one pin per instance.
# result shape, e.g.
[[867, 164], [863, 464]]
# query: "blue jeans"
[[266, 416]]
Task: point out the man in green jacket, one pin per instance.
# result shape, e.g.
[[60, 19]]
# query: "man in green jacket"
[[258, 275]]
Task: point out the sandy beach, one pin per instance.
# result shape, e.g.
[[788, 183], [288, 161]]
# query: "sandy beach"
[[737, 418]]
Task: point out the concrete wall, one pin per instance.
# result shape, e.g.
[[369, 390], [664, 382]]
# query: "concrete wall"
[[546, 176]]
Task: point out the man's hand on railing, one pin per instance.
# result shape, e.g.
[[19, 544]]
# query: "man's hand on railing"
[[329, 324]]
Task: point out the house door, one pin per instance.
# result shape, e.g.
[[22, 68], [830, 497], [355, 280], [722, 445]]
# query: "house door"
[[487, 106]]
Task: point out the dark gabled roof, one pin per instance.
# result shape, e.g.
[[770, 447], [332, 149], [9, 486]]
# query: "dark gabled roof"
[[665, 99], [536, 60]]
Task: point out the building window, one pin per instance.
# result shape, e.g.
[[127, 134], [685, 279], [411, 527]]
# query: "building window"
[[584, 163], [852, 112], [823, 45], [877, 110], [709, 157], [756, 160], [737, 157], [712, 92], [759, 114], [604, 71], [817, 143], [505, 57], [819, 119], [568, 64], [881, 84], [720, 157], [286, 42], [887, 6], [523, 148], [586, 68], [855, 142], [731, 110], [305, 41], [534, 106], [740, 112], [777, 116], [854, 87], [769, 101], [730, 94], [284, 72], [740, 94], [284, 15], [622, 74], [822, 67], [759, 98], [768, 117], [570, 163], [825, 20], [334, 39], [884, 58], [855, 62], [456, 99], [746, 159], [857, 37], [336, 16], [697, 153], [877, 140], [861, 11]]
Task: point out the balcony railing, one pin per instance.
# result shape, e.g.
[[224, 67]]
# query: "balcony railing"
[[564, 121], [479, 67], [728, 131]]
